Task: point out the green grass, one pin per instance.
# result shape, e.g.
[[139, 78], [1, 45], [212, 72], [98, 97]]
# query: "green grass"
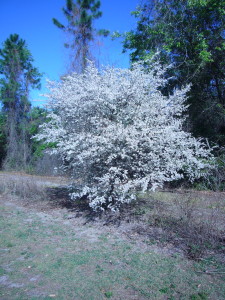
[[51, 260]]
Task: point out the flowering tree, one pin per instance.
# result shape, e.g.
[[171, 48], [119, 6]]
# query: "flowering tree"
[[118, 134]]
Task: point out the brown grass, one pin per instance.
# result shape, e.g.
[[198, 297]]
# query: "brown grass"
[[23, 187], [191, 221]]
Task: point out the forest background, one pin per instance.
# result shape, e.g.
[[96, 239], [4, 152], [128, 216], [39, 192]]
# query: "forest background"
[[187, 34]]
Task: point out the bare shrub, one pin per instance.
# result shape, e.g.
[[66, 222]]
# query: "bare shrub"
[[198, 225], [186, 206], [48, 165], [216, 180], [192, 222]]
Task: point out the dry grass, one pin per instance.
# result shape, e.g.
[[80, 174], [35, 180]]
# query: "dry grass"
[[28, 186], [23, 187], [191, 221]]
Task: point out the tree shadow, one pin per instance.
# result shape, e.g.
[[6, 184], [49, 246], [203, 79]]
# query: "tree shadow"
[[60, 197]]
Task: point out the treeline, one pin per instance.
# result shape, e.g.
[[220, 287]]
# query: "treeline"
[[188, 35]]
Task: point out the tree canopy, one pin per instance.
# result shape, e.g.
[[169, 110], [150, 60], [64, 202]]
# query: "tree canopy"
[[18, 75], [80, 16], [190, 34]]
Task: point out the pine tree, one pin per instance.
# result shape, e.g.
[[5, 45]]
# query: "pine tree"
[[2, 138], [18, 76], [80, 16]]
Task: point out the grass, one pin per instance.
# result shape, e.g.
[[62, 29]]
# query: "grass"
[[43, 258]]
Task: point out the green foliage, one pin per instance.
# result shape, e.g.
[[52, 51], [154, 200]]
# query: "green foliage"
[[108, 294], [17, 71], [190, 35], [37, 116], [80, 16], [58, 24], [199, 296], [40, 147], [216, 180], [18, 76]]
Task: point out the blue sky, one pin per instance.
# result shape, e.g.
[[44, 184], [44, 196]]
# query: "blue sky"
[[32, 20]]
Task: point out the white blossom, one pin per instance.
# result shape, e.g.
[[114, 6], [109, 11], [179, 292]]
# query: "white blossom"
[[119, 134]]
